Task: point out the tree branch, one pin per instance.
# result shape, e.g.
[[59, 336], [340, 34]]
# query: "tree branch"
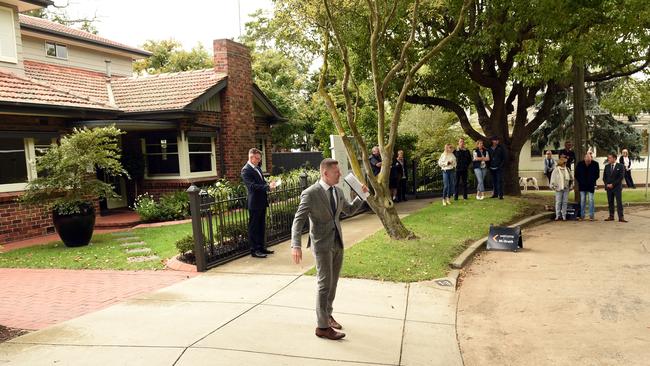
[[451, 107]]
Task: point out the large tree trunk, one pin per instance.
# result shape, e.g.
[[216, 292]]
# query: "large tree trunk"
[[511, 174], [390, 219], [384, 207]]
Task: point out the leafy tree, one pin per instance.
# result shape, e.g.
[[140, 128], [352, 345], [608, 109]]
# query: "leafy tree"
[[67, 179], [169, 56], [628, 97], [433, 128], [604, 132], [517, 54]]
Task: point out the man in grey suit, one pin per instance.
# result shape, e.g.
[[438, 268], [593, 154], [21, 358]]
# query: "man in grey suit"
[[322, 204]]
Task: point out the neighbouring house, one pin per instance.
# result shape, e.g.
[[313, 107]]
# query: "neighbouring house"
[[181, 128]]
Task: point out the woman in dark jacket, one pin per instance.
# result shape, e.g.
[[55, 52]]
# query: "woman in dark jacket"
[[587, 173]]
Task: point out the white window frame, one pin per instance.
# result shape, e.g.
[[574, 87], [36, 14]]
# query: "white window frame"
[[185, 161], [179, 143], [11, 59], [56, 56], [30, 161]]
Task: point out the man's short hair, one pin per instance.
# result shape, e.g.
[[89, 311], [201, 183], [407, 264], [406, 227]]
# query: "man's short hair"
[[328, 163], [613, 154], [254, 151]]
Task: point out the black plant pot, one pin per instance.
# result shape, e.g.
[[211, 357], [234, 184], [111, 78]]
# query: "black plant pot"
[[75, 230]]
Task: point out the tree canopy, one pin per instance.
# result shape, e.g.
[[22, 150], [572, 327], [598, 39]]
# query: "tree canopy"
[[169, 56]]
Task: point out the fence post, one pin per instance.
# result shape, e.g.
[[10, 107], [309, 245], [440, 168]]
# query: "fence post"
[[195, 210], [303, 181]]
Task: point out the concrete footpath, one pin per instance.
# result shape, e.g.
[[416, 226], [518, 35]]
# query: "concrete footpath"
[[258, 312], [578, 294]]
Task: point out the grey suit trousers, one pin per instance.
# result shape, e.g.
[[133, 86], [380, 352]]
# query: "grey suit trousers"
[[328, 266]]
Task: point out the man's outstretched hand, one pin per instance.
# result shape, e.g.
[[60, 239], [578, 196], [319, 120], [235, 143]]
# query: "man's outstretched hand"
[[296, 254]]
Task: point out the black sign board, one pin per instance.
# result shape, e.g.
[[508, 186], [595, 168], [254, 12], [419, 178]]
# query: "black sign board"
[[572, 211], [504, 238]]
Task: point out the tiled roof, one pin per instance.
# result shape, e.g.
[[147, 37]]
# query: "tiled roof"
[[89, 83], [170, 91], [21, 90], [47, 26]]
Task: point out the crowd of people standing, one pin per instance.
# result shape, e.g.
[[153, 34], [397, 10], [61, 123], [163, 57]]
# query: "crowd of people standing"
[[455, 163]]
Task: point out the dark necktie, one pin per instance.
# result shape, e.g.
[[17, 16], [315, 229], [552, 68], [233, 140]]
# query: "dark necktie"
[[332, 201]]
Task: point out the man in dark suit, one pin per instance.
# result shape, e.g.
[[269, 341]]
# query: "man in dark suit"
[[257, 188], [375, 160], [613, 177], [569, 153]]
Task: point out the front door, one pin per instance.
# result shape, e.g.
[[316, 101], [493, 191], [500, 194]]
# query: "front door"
[[119, 187]]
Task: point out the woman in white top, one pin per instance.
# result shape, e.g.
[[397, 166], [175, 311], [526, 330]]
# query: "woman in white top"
[[627, 163], [561, 183], [447, 163]]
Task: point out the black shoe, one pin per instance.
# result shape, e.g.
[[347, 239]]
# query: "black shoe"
[[501, 197], [455, 198], [266, 251], [258, 254]]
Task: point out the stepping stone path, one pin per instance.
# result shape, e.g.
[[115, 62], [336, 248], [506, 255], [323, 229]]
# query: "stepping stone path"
[[133, 245]]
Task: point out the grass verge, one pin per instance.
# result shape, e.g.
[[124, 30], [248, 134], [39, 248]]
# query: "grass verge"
[[443, 232]]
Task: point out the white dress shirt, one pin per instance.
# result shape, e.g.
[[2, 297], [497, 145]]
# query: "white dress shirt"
[[326, 187]]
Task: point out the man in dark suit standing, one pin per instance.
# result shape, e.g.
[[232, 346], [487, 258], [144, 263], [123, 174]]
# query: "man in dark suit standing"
[[613, 177], [257, 188]]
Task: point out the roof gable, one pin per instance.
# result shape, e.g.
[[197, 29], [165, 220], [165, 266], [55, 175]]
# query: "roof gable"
[[46, 26], [168, 91]]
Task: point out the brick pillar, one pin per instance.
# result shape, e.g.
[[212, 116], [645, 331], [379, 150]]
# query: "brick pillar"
[[238, 123]]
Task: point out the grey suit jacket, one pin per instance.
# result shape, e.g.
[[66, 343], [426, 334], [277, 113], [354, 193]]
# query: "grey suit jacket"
[[315, 206]]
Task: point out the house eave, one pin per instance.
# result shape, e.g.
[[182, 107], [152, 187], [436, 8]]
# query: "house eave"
[[37, 109], [132, 51]]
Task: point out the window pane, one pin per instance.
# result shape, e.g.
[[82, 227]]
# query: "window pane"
[[7, 35], [162, 154], [13, 163], [156, 165], [200, 163], [50, 49], [200, 144], [61, 51]]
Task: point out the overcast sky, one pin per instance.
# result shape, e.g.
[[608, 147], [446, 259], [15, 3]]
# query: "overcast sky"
[[189, 21]]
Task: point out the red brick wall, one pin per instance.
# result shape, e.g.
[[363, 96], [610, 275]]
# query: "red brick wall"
[[236, 104], [19, 221]]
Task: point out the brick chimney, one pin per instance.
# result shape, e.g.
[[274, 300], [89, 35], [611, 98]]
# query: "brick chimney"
[[238, 122]]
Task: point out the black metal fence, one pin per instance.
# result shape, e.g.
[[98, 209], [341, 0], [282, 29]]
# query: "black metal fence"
[[220, 226]]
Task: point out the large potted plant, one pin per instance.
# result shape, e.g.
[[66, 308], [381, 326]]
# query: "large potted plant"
[[67, 181]]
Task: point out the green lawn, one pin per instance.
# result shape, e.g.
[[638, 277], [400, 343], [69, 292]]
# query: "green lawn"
[[443, 233], [104, 251], [629, 195]]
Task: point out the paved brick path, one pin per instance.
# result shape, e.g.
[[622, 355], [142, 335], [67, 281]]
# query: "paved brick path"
[[36, 298]]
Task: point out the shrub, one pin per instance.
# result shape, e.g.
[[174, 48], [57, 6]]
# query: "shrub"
[[172, 206], [146, 207], [185, 244]]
